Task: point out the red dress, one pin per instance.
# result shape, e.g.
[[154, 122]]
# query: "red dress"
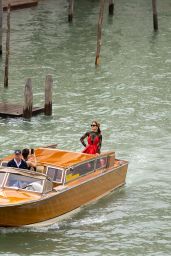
[[94, 142]]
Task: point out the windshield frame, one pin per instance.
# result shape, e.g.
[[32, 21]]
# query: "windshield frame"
[[3, 179]]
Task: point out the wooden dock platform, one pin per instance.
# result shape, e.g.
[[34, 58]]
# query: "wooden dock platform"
[[19, 4], [16, 110]]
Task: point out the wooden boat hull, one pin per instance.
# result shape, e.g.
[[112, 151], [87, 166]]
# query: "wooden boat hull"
[[56, 204]]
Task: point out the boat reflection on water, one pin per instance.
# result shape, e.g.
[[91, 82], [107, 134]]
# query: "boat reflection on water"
[[64, 181]]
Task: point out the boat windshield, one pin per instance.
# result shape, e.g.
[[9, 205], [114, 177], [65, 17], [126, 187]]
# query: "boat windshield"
[[2, 175], [24, 182]]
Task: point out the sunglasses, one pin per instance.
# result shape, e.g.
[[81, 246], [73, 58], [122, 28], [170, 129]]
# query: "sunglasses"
[[93, 125]]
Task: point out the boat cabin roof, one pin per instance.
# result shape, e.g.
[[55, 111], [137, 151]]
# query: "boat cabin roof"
[[60, 158]]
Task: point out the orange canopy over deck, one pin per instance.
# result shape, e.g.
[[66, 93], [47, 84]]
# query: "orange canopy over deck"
[[60, 158]]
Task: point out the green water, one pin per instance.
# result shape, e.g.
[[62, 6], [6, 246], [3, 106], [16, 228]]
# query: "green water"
[[129, 94]]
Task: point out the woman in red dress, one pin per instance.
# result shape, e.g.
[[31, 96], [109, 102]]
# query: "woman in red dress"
[[94, 139]]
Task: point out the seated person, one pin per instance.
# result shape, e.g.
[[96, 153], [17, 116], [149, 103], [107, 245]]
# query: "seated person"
[[17, 161], [29, 158]]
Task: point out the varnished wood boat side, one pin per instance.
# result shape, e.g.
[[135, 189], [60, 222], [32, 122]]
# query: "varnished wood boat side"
[[56, 204]]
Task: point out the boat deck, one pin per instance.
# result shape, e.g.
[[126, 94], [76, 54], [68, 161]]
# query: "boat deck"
[[16, 110]]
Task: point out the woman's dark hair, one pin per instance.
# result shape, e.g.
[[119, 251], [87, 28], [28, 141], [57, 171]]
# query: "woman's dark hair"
[[98, 126], [25, 153]]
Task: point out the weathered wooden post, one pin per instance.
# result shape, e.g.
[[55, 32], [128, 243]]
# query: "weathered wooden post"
[[28, 99], [1, 15], [155, 19], [70, 10], [111, 7], [48, 95], [99, 32], [7, 47]]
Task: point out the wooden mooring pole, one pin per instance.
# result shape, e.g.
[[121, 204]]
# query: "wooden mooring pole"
[[1, 15], [7, 47], [99, 31], [48, 95], [155, 18], [111, 7], [70, 10], [28, 99]]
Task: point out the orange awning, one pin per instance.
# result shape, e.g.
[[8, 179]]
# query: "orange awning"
[[60, 158]]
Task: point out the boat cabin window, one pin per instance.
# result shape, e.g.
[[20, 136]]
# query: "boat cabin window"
[[80, 170], [2, 175], [24, 182], [55, 174], [101, 162]]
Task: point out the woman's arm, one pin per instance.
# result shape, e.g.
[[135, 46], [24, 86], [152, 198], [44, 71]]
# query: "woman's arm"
[[83, 137], [100, 143]]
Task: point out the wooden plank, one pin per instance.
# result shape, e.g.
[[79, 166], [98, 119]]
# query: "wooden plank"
[[111, 7], [7, 47], [19, 4], [1, 14], [48, 95], [70, 10], [16, 110], [99, 31], [155, 18], [28, 99]]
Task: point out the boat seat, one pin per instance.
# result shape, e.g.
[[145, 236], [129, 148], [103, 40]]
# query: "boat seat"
[[4, 163], [41, 168], [111, 160]]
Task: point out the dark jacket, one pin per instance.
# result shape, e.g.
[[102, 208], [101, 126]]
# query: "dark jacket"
[[12, 163]]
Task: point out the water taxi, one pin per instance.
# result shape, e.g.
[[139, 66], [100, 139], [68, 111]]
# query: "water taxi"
[[63, 182]]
